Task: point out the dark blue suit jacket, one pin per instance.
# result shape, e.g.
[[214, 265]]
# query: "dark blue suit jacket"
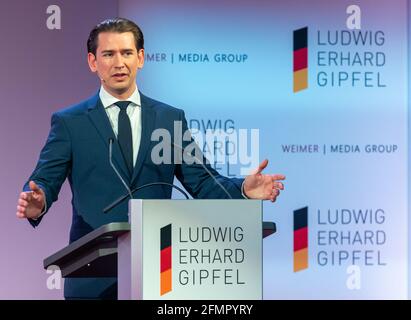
[[77, 149]]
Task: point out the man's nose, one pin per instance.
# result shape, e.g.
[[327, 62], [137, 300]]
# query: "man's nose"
[[119, 61]]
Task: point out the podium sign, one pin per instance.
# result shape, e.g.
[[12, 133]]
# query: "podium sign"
[[191, 249]]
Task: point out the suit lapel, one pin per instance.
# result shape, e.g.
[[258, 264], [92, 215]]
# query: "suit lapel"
[[99, 118], [148, 118]]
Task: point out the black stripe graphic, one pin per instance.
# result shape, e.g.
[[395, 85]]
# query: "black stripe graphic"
[[165, 237], [300, 38], [300, 218]]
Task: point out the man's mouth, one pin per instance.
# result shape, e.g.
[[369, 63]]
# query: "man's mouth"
[[120, 76]]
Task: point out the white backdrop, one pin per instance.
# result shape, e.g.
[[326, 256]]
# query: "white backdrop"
[[347, 178]]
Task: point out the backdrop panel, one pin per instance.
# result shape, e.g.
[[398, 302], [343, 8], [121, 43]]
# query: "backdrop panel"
[[341, 141]]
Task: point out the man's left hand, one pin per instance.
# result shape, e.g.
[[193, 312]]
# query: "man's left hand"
[[263, 186]]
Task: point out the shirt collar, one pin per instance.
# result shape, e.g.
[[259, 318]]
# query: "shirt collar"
[[108, 100]]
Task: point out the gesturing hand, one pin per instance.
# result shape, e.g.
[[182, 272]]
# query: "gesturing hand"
[[30, 204], [263, 186]]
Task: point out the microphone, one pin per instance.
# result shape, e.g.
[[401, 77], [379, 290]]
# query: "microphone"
[[205, 168], [116, 202], [268, 227], [110, 143], [112, 205], [130, 192]]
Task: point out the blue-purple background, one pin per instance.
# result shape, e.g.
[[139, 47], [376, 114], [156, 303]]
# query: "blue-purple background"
[[42, 71]]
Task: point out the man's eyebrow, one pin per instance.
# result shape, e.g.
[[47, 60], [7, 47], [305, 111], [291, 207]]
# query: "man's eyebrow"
[[122, 50]]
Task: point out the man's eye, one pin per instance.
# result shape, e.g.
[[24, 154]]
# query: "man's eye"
[[107, 55]]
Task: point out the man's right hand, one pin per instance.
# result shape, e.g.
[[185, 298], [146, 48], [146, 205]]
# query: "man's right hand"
[[31, 204]]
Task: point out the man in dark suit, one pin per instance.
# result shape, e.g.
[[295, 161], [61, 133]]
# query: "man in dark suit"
[[78, 149]]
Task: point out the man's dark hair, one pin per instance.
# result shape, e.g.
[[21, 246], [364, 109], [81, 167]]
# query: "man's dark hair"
[[119, 25]]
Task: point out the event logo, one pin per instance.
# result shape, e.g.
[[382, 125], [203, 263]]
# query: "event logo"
[[165, 260], [300, 239], [344, 58], [300, 59], [340, 236]]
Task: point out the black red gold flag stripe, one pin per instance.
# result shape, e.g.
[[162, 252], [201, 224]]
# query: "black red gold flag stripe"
[[300, 239], [300, 59], [165, 260]]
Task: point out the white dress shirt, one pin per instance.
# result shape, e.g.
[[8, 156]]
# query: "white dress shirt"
[[133, 111]]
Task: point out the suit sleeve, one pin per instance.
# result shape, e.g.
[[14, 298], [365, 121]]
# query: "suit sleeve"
[[53, 164], [198, 182]]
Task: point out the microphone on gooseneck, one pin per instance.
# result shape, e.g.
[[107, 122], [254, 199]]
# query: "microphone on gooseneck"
[[120, 199], [110, 143], [112, 205], [130, 192], [205, 168]]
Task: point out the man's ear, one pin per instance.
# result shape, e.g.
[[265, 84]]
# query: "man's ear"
[[91, 59], [140, 57]]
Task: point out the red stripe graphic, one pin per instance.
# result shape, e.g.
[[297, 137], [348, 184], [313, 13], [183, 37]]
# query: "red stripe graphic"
[[300, 59], [300, 239], [165, 259]]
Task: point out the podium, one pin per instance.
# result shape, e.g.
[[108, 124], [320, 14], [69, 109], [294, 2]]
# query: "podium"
[[175, 249]]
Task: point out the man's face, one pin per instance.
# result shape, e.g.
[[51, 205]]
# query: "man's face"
[[117, 61]]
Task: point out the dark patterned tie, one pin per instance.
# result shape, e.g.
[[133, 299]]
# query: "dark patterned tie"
[[125, 137]]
